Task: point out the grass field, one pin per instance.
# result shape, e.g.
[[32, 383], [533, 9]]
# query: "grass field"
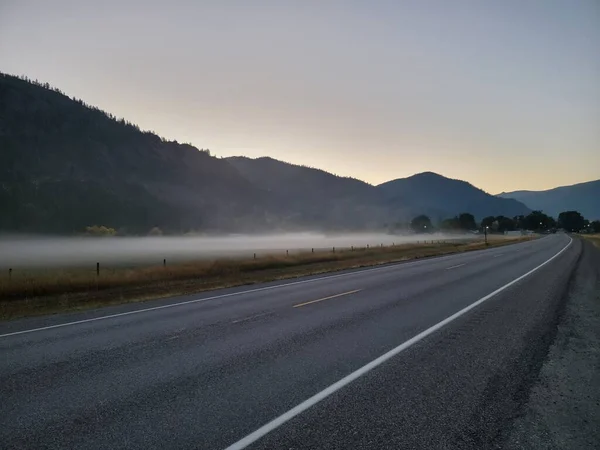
[[39, 291], [595, 238]]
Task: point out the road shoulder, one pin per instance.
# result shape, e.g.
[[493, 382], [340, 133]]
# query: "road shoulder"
[[563, 408]]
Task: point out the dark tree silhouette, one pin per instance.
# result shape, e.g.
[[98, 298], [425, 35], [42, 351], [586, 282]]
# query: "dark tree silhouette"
[[537, 220], [452, 224], [421, 224], [488, 221], [571, 221], [467, 221]]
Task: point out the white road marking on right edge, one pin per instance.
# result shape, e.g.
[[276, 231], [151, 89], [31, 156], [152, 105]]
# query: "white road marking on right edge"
[[306, 404]]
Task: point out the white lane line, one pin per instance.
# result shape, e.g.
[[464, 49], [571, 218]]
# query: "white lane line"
[[299, 305], [215, 297], [499, 254], [256, 316], [276, 423], [454, 267]]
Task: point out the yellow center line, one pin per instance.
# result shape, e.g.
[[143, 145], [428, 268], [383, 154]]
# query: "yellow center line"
[[326, 298]]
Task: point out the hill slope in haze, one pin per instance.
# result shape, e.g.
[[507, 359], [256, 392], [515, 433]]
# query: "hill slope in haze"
[[65, 165], [312, 196], [582, 197], [442, 197], [322, 194]]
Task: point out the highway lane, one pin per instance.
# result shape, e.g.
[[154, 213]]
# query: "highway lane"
[[205, 371]]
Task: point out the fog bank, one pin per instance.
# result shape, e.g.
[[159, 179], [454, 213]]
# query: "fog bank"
[[21, 251]]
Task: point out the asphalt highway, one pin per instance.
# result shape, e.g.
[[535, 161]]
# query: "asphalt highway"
[[435, 353]]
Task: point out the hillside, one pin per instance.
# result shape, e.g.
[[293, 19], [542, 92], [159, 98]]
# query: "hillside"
[[312, 197], [65, 165], [442, 197], [582, 197]]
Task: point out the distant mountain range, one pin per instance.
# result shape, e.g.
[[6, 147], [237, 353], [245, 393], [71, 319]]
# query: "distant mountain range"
[[582, 197], [65, 165], [441, 197], [305, 197]]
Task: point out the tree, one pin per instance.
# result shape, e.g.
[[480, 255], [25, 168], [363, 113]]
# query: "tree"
[[155, 232], [421, 224], [595, 226], [467, 221], [505, 224], [450, 224], [487, 221], [537, 220], [96, 230], [571, 221], [519, 221]]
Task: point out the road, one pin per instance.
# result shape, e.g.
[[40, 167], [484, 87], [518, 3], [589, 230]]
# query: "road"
[[387, 357]]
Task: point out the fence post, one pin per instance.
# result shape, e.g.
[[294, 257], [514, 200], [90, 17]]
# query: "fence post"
[[333, 249], [9, 274], [312, 250], [165, 262], [255, 256], [97, 269]]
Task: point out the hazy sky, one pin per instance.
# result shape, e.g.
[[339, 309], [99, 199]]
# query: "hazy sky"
[[504, 94]]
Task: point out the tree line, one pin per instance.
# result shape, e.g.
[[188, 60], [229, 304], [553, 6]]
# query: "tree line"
[[571, 221]]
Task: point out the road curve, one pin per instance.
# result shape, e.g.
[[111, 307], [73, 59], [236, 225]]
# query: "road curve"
[[435, 353]]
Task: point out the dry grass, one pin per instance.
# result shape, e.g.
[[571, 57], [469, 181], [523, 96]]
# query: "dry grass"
[[595, 238], [34, 292]]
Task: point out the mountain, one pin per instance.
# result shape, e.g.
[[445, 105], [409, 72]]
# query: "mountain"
[[313, 197], [65, 165], [314, 194], [441, 197], [582, 197]]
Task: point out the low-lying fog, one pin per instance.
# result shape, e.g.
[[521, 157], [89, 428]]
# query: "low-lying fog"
[[80, 251]]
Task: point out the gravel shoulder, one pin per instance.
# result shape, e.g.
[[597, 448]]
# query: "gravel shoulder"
[[563, 408]]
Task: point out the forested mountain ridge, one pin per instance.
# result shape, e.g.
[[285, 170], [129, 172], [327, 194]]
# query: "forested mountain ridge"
[[583, 197], [395, 201], [65, 165], [441, 197], [313, 195]]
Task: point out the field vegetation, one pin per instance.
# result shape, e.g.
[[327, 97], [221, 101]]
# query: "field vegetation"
[[25, 292]]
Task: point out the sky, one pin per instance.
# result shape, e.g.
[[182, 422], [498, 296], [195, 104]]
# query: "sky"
[[503, 94]]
